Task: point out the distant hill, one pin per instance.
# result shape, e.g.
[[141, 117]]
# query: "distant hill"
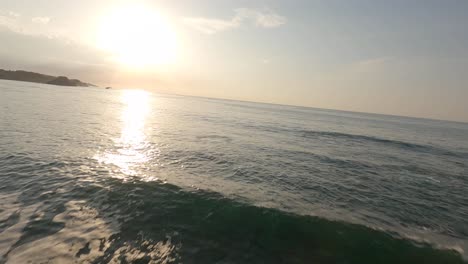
[[26, 76]]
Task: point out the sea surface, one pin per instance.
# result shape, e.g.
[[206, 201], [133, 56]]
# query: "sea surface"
[[89, 175]]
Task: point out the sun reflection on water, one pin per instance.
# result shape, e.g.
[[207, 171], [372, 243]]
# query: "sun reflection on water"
[[134, 117], [130, 150]]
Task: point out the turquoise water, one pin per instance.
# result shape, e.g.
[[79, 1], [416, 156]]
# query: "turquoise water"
[[90, 175]]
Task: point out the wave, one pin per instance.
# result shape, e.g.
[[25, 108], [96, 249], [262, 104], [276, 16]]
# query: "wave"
[[210, 138], [197, 226], [206, 227], [163, 221], [395, 143], [313, 134]]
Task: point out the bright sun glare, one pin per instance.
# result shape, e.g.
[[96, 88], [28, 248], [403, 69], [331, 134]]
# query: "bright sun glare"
[[137, 36]]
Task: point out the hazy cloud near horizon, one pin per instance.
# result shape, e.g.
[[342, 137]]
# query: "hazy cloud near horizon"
[[404, 58]]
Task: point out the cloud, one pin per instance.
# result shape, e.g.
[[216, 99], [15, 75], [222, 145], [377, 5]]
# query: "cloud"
[[15, 22], [370, 65], [13, 14], [210, 26], [41, 20], [26, 26], [9, 20], [265, 18]]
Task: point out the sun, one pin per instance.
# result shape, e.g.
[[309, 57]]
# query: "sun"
[[137, 36]]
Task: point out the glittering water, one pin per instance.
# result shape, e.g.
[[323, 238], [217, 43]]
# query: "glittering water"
[[114, 176]]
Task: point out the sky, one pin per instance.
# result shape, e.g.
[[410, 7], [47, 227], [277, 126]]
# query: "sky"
[[395, 57]]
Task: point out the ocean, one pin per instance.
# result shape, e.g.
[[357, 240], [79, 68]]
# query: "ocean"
[[89, 175]]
